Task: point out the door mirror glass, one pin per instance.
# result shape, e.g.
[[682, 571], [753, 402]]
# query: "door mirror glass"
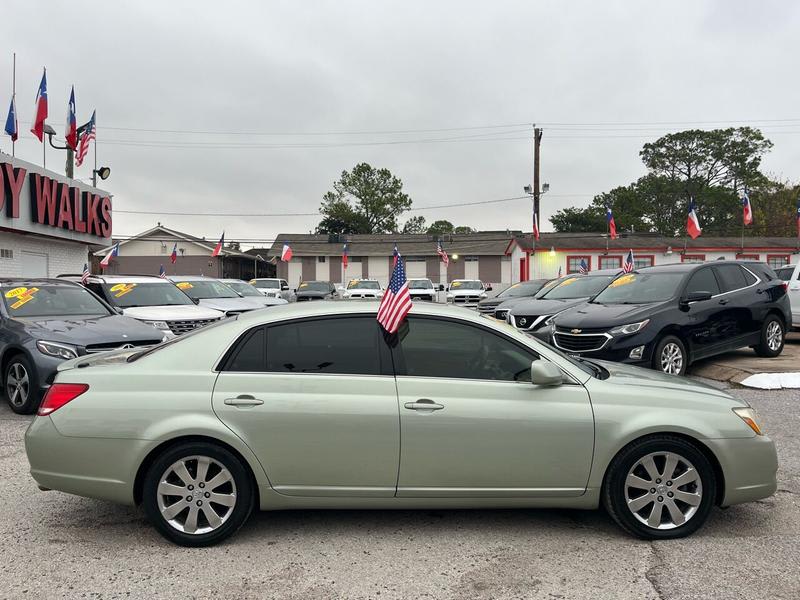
[[488, 288], [284, 288], [545, 373], [698, 296]]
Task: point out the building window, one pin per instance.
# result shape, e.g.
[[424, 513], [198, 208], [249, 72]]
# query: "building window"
[[321, 259], [409, 259], [640, 262], [574, 263], [609, 262], [470, 259], [355, 259], [693, 258], [748, 256], [778, 260], [7, 253]]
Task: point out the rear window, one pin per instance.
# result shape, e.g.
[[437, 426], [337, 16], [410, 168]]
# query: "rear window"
[[250, 356], [785, 273], [731, 277]]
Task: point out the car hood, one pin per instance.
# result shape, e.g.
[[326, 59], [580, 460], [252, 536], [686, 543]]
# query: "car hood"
[[183, 312], [312, 294], [421, 291], [505, 303], [599, 316], [95, 330], [545, 306], [231, 304], [463, 292], [622, 374]]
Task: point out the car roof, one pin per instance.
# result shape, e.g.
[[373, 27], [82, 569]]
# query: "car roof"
[[127, 278], [689, 267], [192, 278], [315, 281], [23, 281], [478, 280]]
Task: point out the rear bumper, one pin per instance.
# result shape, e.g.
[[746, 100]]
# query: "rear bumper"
[[750, 467]]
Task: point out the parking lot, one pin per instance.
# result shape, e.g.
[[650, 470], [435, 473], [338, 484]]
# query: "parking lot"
[[61, 546]]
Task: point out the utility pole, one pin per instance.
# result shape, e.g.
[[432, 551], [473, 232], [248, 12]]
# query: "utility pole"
[[537, 140]]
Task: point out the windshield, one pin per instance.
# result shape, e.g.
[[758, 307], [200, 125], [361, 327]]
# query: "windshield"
[[314, 286], [266, 283], [51, 301], [367, 285], [128, 295], [518, 290], [466, 285], [580, 286], [420, 284], [245, 289], [204, 289], [640, 288]]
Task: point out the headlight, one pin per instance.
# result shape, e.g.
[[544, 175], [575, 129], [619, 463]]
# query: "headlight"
[[630, 328], [450, 296], [380, 294], [57, 350], [162, 325], [484, 295], [748, 415], [550, 321]]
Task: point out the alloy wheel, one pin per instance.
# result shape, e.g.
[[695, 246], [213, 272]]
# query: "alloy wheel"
[[774, 335], [663, 490], [17, 385], [196, 494], [671, 359]]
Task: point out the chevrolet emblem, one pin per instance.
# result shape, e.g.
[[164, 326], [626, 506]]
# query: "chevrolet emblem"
[[575, 331]]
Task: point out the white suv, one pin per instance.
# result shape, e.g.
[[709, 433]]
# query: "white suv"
[[153, 300], [363, 288], [273, 288], [467, 292], [791, 276], [422, 289]]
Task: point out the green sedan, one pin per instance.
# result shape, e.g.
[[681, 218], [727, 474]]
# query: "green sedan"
[[310, 405]]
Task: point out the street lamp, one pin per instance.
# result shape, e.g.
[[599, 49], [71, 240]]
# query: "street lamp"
[[69, 170], [256, 258]]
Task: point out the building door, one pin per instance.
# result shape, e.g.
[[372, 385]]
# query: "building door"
[[34, 265], [523, 269]]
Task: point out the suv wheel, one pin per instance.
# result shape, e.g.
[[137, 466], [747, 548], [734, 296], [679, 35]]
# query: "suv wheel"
[[661, 487], [20, 386], [197, 494], [772, 337], [670, 356]]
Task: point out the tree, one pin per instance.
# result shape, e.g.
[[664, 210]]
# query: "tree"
[[235, 246], [414, 225], [364, 200], [440, 227], [464, 229]]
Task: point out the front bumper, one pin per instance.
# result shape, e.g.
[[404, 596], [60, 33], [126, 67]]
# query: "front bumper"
[[616, 349], [749, 466]]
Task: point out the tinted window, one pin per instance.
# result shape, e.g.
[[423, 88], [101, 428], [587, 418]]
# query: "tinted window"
[[435, 348], [344, 345], [731, 277], [749, 278], [579, 286], [202, 289], [703, 281], [524, 288], [250, 356], [640, 288], [51, 301], [785, 274]]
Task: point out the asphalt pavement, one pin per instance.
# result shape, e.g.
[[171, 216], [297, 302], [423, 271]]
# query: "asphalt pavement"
[[60, 546]]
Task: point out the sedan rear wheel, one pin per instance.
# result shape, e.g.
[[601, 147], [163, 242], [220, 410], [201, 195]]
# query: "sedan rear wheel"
[[197, 494], [660, 487]]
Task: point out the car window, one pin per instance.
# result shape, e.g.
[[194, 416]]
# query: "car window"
[[703, 281], [159, 293], [731, 277], [346, 345], [250, 355], [51, 301], [441, 348], [579, 286], [204, 289], [749, 278], [265, 283], [786, 273], [640, 287]]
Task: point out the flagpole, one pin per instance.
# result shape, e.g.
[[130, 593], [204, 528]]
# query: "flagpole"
[[44, 146], [14, 101]]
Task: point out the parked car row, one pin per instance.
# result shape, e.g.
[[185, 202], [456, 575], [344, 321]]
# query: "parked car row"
[[44, 322], [663, 317]]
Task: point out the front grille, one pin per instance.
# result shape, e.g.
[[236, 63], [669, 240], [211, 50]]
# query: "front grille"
[[580, 342], [94, 348], [529, 321], [363, 296], [466, 299], [181, 327]]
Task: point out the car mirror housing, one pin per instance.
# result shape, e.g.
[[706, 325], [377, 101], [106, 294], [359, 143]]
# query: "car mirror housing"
[[284, 288], [697, 297], [488, 288], [545, 373]]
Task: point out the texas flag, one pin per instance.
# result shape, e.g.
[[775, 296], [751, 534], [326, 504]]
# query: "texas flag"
[[747, 210], [692, 222], [107, 258], [71, 130], [12, 127], [535, 227], [40, 110], [345, 256], [612, 226], [173, 257], [218, 247], [395, 256], [286, 253]]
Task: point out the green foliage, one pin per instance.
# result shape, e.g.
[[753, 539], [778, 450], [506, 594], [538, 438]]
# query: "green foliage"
[[440, 227], [414, 225]]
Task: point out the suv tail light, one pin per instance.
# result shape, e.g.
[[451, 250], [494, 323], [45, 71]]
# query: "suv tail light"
[[785, 285], [58, 395]]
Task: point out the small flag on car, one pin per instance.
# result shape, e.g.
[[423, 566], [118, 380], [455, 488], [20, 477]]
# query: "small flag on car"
[[85, 274], [629, 262], [583, 268], [396, 301], [162, 272]]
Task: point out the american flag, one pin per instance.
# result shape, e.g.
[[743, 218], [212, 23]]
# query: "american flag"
[[88, 136], [583, 269], [396, 301], [162, 272], [85, 274], [441, 252], [629, 263]]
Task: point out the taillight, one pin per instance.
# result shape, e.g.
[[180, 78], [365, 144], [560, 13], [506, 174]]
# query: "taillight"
[[58, 395], [785, 285]]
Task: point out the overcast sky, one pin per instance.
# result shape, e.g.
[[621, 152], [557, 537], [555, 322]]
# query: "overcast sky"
[[600, 77]]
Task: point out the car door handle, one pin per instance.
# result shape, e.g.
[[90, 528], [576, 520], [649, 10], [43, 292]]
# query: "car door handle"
[[724, 301], [423, 404], [243, 400]]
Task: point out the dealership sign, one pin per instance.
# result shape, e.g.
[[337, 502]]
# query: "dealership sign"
[[33, 200]]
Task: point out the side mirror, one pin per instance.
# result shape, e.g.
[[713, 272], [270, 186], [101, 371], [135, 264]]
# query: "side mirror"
[[488, 288], [284, 288], [196, 300], [441, 287], [545, 373], [697, 297]]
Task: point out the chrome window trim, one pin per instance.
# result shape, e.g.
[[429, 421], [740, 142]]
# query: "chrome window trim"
[[747, 287]]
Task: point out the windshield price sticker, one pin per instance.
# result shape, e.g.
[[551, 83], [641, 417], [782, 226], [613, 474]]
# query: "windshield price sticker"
[[184, 285], [22, 294], [455, 284], [121, 289], [568, 281], [624, 280], [302, 285]]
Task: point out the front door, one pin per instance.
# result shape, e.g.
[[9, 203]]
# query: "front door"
[[312, 401], [472, 424], [708, 323]]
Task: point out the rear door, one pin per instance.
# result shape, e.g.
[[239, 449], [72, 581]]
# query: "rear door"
[[315, 399], [742, 320]]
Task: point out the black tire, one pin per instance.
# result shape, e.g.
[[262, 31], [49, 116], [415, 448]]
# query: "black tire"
[[672, 342], [25, 399], [241, 488], [771, 325], [616, 492]]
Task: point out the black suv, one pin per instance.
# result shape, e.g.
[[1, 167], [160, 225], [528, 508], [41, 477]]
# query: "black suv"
[[510, 296], [44, 322], [667, 316]]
